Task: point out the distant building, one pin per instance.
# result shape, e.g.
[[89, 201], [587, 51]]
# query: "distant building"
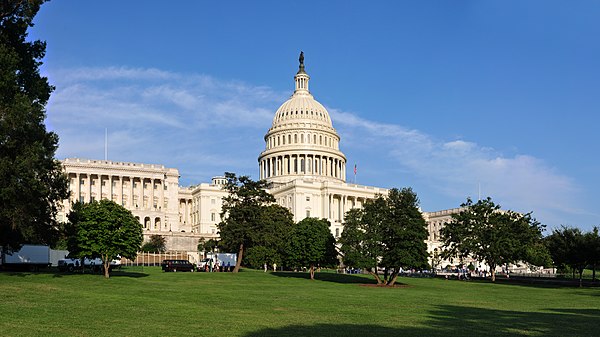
[[302, 160]]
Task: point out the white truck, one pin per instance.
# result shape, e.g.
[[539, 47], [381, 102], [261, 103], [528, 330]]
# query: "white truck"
[[29, 257], [223, 259], [96, 265]]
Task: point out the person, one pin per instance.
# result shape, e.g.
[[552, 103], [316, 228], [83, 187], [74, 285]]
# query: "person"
[[274, 266], [228, 265], [265, 267]]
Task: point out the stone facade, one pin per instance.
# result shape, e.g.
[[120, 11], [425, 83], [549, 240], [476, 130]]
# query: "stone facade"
[[302, 160]]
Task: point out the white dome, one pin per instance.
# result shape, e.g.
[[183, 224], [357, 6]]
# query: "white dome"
[[302, 142], [302, 107]]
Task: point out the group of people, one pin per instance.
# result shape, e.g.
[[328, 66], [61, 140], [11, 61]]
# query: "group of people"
[[266, 266], [210, 268]]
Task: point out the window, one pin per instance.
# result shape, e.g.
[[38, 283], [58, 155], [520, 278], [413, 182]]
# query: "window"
[[135, 184], [213, 216], [93, 182], [103, 182], [337, 232], [114, 184], [308, 213], [307, 198], [213, 201], [165, 187]]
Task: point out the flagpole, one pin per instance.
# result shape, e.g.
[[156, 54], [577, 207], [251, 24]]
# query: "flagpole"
[[105, 143]]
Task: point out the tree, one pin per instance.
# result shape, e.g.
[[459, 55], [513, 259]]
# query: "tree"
[[310, 244], [106, 230], [270, 239], [31, 179], [593, 244], [485, 232], [241, 213], [388, 233], [570, 247], [157, 243]]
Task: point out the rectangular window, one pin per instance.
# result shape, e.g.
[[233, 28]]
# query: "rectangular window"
[[93, 182], [103, 183], [307, 198], [212, 216], [308, 214]]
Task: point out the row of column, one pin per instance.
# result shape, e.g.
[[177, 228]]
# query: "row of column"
[[83, 192], [335, 212], [303, 164]]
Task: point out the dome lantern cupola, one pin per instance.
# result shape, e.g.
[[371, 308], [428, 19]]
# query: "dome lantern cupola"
[[301, 78]]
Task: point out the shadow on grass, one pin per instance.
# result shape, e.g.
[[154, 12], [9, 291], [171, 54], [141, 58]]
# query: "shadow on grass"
[[328, 277], [117, 273], [536, 282], [449, 320]]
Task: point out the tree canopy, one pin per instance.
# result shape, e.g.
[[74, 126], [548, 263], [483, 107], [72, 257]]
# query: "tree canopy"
[[106, 230], [574, 249], [31, 179], [269, 241], [242, 213], [389, 233], [156, 244], [311, 244], [488, 234]]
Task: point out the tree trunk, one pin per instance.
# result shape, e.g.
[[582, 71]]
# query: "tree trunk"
[[377, 278], [238, 263], [594, 272], [581, 277], [312, 271], [493, 272], [106, 268], [394, 277]]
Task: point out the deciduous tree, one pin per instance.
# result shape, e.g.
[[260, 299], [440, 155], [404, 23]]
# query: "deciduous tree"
[[311, 244], [31, 179], [569, 246], [156, 244], [389, 233], [485, 232], [106, 230], [242, 213]]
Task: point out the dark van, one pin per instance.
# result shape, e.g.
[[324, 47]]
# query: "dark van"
[[177, 265]]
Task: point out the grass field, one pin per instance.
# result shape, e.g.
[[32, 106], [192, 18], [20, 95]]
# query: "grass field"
[[147, 302]]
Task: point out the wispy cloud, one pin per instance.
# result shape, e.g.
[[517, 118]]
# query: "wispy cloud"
[[452, 167], [204, 126]]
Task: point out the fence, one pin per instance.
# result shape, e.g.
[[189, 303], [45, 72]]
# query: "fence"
[[154, 259]]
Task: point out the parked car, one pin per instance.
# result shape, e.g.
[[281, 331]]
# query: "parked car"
[[177, 265]]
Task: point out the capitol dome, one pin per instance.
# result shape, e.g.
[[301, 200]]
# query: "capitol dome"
[[302, 142]]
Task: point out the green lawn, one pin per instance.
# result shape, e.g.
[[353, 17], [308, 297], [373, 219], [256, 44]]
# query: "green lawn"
[[148, 302]]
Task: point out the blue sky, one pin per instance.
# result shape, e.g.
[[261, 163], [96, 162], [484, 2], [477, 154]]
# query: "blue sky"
[[441, 96]]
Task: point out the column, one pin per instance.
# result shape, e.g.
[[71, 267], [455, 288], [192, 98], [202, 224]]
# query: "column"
[[161, 201], [131, 205], [151, 199], [89, 194], [77, 186]]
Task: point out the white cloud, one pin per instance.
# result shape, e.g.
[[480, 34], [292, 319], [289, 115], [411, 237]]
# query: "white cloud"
[[521, 182], [204, 126]]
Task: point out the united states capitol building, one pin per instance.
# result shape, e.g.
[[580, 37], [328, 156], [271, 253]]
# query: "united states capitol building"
[[302, 160]]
